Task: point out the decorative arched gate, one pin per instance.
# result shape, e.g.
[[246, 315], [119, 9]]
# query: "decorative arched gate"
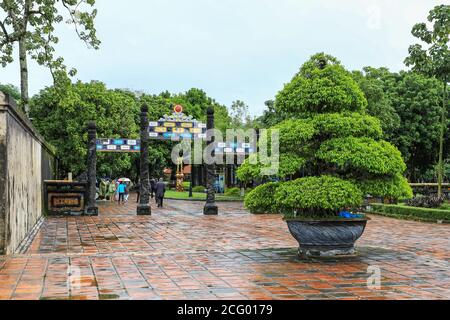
[[171, 127]]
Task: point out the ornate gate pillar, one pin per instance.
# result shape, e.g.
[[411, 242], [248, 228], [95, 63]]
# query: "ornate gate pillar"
[[91, 208], [143, 208], [210, 205]]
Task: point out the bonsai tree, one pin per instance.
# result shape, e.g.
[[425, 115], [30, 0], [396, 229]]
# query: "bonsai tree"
[[331, 152]]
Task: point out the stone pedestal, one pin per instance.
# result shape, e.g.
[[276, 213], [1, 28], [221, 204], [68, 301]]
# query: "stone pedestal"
[[210, 209], [143, 210]]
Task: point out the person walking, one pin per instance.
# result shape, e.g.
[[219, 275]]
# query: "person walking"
[[138, 190], [121, 190], [152, 187], [127, 191], [116, 196], [112, 190], [160, 190]]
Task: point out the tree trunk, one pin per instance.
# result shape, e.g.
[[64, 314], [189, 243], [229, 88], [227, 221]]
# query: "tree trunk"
[[23, 74], [441, 140]]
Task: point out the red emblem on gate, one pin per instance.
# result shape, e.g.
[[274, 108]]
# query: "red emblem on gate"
[[178, 109]]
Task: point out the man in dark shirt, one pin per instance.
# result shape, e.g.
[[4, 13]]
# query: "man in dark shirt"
[[160, 189], [152, 187]]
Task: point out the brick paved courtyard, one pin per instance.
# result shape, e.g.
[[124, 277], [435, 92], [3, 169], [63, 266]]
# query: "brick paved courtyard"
[[177, 253]]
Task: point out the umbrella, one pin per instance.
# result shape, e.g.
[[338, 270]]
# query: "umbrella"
[[124, 180]]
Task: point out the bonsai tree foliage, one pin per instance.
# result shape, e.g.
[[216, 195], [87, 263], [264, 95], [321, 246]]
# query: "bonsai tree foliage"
[[331, 152]]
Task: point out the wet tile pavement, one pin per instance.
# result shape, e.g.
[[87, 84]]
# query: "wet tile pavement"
[[177, 253]]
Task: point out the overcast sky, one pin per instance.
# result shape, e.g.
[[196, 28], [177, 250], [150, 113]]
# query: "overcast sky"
[[233, 49]]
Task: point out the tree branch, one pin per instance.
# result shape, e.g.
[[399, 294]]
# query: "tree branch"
[[5, 32], [34, 12], [73, 18]]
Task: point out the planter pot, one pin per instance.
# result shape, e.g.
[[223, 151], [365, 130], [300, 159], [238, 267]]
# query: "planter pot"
[[327, 238]]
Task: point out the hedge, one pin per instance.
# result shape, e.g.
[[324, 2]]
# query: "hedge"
[[233, 192], [200, 189], [261, 199], [401, 211], [316, 196]]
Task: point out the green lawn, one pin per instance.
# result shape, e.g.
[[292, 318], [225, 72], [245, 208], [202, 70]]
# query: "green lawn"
[[445, 206], [171, 194]]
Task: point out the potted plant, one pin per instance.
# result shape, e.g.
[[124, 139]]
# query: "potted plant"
[[331, 156]]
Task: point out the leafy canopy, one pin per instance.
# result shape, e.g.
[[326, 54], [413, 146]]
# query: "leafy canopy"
[[434, 59], [35, 22], [62, 120], [10, 89]]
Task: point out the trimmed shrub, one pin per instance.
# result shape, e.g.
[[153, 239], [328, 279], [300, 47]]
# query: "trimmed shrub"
[[198, 189], [364, 154], [426, 202], [261, 199], [248, 171], [401, 211], [289, 164], [396, 187], [233, 192], [317, 196], [294, 133], [335, 125]]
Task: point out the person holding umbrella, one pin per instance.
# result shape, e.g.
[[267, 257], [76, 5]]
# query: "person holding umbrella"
[[121, 192], [122, 189]]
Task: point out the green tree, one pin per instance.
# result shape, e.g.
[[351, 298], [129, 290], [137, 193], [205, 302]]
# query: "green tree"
[[271, 116], [31, 24], [414, 123], [379, 104], [62, 120], [416, 99], [195, 103], [12, 90], [434, 61], [330, 146], [240, 116]]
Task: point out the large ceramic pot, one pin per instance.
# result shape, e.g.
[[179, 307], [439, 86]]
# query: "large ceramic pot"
[[327, 238]]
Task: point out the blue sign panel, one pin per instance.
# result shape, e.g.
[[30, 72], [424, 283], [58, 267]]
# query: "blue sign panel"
[[234, 148], [118, 145]]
